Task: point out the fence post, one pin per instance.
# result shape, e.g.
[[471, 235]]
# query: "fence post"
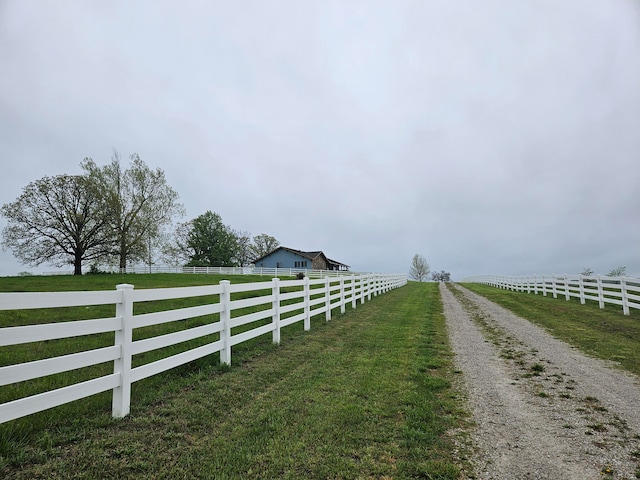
[[581, 288], [363, 288], [366, 289], [370, 284], [307, 307], [225, 319], [121, 401], [353, 292], [625, 300], [328, 298], [566, 288], [275, 292], [342, 302], [600, 292]]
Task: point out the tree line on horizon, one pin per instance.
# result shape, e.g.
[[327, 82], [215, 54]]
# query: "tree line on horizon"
[[620, 271], [115, 216]]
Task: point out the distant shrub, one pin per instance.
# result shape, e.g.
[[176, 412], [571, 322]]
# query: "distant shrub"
[[94, 269]]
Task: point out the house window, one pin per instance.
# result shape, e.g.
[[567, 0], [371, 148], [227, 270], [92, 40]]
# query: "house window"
[[278, 264]]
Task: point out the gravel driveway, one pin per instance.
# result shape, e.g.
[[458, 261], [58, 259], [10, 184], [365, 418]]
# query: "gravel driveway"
[[542, 409]]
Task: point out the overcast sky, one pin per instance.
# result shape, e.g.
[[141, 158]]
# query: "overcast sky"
[[498, 136]]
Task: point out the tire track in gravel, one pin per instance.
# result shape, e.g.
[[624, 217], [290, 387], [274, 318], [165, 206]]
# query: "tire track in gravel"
[[542, 409]]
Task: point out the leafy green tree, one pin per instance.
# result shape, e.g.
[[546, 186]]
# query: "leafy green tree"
[[57, 220], [210, 242], [263, 244], [139, 205], [419, 268]]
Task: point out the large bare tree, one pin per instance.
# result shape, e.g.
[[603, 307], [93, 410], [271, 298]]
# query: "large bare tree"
[[57, 220], [244, 253], [419, 268], [617, 272], [139, 204]]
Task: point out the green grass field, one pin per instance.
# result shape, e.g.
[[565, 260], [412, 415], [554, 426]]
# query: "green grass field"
[[604, 333], [366, 395]]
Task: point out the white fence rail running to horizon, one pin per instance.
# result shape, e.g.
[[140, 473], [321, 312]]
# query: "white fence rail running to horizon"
[[261, 271], [312, 297], [622, 291]]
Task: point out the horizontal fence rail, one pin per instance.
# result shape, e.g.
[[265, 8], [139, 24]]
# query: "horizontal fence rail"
[[270, 272], [232, 313], [622, 291], [251, 270]]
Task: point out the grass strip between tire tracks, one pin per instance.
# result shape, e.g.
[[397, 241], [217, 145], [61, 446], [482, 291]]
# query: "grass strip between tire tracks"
[[363, 396]]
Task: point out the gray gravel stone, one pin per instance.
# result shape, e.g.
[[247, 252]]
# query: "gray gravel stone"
[[543, 410]]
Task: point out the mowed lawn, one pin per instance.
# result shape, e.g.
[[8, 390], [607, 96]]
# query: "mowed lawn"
[[604, 333], [365, 395]]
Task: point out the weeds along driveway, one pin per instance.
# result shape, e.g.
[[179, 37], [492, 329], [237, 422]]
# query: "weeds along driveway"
[[365, 395], [543, 410]]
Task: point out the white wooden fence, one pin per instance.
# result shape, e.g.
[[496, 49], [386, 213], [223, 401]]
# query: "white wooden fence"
[[269, 272], [251, 270], [282, 308], [622, 291]]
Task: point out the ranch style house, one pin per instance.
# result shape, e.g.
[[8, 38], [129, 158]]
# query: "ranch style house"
[[283, 257]]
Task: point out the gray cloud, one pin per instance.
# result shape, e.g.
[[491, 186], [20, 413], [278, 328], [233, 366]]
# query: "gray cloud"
[[495, 138]]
